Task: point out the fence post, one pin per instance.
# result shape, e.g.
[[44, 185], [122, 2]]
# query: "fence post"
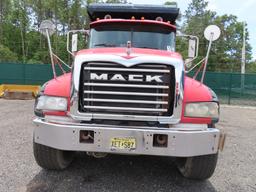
[[230, 88], [24, 73], [242, 84]]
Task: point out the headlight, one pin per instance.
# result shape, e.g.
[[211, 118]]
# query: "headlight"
[[202, 109], [52, 103]]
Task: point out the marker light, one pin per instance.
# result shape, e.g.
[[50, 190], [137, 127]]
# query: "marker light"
[[107, 17], [159, 19]]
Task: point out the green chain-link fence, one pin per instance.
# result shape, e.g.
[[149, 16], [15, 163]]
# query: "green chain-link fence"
[[26, 74], [231, 88]]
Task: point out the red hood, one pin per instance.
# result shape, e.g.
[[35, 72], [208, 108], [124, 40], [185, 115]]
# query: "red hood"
[[135, 52]]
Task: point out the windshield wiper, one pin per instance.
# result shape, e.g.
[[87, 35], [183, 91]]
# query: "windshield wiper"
[[147, 47], [104, 45]]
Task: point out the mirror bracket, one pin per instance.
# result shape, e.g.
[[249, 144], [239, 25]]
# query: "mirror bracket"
[[196, 42], [74, 40], [47, 28], [211, 33]]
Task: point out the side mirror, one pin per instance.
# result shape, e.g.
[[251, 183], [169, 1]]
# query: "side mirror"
[[193, 44], [192, 48], [87, 35], [47, 28], [74, 43], [212, 33]]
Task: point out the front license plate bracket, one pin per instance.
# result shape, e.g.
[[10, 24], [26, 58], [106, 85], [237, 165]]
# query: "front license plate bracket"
[[123, 143]]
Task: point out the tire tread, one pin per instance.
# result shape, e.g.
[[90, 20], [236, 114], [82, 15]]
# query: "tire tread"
[[50, 158], [199, 167]]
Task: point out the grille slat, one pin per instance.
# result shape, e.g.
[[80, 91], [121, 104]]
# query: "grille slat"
[[127, 93], [125, 85], [130, 94], [126, 108], [125, 101]]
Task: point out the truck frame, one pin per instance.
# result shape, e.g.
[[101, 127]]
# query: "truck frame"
[[129, 94]]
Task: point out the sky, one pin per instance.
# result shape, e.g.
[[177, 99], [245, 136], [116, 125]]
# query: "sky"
[[244, 10]]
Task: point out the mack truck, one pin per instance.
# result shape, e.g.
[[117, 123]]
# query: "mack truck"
[[128, 92]]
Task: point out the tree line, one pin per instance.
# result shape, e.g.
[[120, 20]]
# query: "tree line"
[[21, 41], [226, 54]]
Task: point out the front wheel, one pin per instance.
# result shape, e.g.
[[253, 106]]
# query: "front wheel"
[[198, 167], [50, 158]]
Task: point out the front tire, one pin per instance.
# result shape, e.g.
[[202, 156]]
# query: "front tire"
[[50, 158], [198, 167]]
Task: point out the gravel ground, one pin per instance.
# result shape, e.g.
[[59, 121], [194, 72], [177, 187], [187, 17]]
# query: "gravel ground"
[[236, 170]]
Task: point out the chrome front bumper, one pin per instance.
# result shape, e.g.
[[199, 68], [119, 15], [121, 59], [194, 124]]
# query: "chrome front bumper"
[[183, 140]]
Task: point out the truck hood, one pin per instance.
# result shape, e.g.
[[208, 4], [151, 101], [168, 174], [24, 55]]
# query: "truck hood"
[[135, 52]]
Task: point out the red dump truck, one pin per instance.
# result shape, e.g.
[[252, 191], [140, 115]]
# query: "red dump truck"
[[128, 93]]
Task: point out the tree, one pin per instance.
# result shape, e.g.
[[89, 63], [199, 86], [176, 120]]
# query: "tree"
[[228, 49], [251, 67], [4, 16], [20, 37], [226, 52], [196, 8], [77, 15], [197, 18], [7, 55], [21, 21]]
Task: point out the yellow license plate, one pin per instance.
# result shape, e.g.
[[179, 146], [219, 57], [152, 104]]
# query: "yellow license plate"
[[123, 143]]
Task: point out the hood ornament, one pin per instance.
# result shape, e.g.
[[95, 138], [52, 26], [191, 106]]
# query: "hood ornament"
[[129, 47]]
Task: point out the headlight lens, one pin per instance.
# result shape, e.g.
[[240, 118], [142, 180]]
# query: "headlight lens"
[[202, 109], [52, 103]]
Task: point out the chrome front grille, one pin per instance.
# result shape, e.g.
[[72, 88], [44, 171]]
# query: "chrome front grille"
[[143, 94]]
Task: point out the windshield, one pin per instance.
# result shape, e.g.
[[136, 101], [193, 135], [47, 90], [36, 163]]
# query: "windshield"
[[141, 36]]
